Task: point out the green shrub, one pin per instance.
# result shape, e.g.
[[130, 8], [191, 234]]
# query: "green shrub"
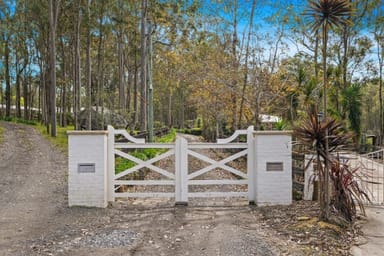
[[18, 120], [22, 121], [170, 137], [8, 119], [280, 125]]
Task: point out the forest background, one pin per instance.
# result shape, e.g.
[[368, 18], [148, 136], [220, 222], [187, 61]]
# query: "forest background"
[[217, 65]]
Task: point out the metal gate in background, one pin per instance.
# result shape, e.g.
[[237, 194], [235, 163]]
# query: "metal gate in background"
[[372, 173]]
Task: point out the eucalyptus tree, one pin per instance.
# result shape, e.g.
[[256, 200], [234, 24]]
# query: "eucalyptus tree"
[[6, 35], [246, 68], [88, 64], [20, 51], [326, 15], [77, 64], [143, 71], [376, 22], [53, 11]]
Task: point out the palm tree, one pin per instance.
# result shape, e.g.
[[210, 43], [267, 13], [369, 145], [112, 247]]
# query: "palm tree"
[[325, 15]]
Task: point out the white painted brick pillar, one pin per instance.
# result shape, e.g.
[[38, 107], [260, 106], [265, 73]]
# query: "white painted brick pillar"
[[87, 168], [273, 164]]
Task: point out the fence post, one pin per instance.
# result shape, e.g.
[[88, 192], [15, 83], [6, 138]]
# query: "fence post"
[[251, 166], [181, 171], [111, 164]]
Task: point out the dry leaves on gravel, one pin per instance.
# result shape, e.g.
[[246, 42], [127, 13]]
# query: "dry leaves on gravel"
[[299, 223]]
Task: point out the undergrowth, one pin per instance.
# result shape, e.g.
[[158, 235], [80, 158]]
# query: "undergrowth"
[[122, 164], [18, 120]]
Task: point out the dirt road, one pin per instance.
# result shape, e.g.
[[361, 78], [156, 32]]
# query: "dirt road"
[[35, 218], [32, 186]]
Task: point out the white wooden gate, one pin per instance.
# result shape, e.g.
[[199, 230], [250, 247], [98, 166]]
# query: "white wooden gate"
[[262, 174], [180, 177]]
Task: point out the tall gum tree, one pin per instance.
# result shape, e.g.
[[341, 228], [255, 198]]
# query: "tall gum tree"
[[143, 67], [53, 10]]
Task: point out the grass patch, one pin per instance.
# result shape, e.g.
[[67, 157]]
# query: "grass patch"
[[170, 137], [18, 120], [61, 139], [122, 164]]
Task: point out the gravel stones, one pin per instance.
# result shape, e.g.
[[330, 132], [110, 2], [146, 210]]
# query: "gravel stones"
[[108, 239]]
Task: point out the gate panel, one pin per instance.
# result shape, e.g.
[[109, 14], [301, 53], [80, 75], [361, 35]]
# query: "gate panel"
[[372, 165], [123, 182], [239, 177]]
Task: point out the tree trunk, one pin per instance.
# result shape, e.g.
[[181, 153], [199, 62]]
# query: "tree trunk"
[[88, 69], [18, 94], [245, 81], [129, 89], [170, 109], [100, 59], [26, 98], [316, 54], [77, 70], [64, 88], [324, 214], [18, 91], [41, 88], [47, 90], [143, 71], [235, 69], [7, 80], [120, 58], [19, 71], [53, 5], [135, 94], [345, 55]]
